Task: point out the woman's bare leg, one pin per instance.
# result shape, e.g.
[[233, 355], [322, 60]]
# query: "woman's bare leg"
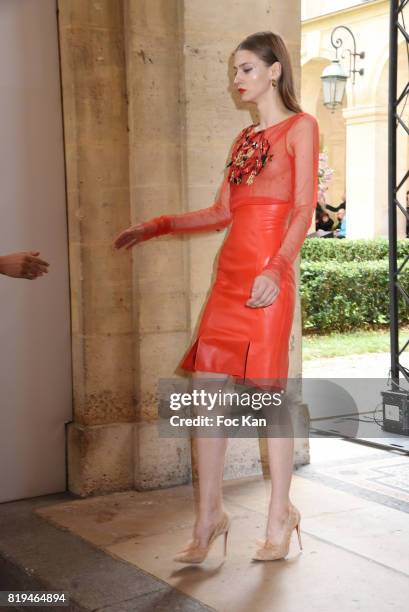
[[210, 456], [280, 458]]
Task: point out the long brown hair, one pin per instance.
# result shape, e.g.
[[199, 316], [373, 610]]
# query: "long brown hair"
[[270, 48]]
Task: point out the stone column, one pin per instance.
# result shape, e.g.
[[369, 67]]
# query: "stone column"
[[100, 438], [154, 58]]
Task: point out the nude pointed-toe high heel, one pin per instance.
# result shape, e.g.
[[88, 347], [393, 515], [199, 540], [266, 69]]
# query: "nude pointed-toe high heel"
[[194, 553], [270, 551]]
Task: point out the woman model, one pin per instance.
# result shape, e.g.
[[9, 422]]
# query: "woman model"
[[267, 197]]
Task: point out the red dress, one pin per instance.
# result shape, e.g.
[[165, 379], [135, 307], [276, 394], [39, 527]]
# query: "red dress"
[[267, 197]]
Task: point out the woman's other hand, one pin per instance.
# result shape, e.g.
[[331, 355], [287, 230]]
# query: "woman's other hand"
[[263, 292], [24, 264]]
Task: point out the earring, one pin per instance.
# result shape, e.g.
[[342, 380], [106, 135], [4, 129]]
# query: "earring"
[[274, 83]]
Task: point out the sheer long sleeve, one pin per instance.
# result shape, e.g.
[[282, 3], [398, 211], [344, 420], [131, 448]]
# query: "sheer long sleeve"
[[215, 217], [303, 140]]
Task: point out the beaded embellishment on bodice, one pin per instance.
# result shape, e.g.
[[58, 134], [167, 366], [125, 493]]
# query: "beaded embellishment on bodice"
[[249, 155]]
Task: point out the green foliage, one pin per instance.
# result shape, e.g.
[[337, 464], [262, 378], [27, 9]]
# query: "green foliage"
[[345, 284], [333, 249]]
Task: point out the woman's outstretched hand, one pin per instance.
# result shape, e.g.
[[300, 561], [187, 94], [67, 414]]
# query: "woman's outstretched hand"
[[131, 236], [143, 231], [263, 292]]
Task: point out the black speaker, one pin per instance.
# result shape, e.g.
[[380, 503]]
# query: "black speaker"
[[396, 412]]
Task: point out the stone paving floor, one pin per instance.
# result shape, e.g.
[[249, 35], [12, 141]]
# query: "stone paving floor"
[[354, 502], [354, 548]]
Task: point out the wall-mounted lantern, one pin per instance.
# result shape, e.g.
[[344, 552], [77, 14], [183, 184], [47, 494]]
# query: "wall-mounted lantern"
[[334, 77]]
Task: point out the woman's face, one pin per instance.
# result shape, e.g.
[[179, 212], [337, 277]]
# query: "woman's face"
[[251, 76]]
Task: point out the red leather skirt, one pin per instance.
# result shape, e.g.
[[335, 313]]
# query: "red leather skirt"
[[250, 344]]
